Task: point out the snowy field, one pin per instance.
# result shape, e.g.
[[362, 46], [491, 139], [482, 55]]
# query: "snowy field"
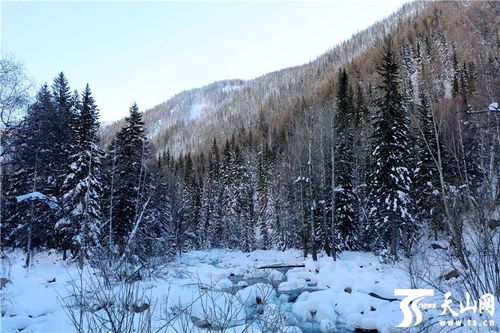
[[218, 289]]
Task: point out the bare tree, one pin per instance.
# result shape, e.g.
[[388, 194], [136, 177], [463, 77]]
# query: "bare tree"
[[15, 88]]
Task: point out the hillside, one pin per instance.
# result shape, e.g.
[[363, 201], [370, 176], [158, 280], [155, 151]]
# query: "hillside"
[[186, 107], [231, 109]]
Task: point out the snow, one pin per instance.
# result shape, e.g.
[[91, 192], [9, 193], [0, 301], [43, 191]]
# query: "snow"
[[337, 298], [195, 110], [493, 106], [231, 87], [51, 201]]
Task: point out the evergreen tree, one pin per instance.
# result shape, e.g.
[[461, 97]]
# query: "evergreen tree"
[[82, 188], [426, 175], [157, 234], [390, 181], [187, 214], [62, 128], [131, 175], [245, 202], [230, 207], [35, 158], [264, 206], [345, 198], [210, 221]]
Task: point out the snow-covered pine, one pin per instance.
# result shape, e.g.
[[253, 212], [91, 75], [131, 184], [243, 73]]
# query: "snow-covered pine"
[[35, 165], [63, 123], [210, 214], [188, 210], [345, 198], [391, 221], [79, 227], [132, 176], [426, 178], [262, 193]]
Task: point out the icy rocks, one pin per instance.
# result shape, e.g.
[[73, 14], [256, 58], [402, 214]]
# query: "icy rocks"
[[327, 326], [292, 329], [242, 284], [140, 308], [452, 274], [316, 306], [259, 293], [275, 275], [223, 284], [4, 282]]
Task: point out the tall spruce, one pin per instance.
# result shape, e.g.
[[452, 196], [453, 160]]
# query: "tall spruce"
[[188, 209], [62, 127], [210, 221], [427, 194], [390, 211], [31, 188], [345, 198], [82, 188], [131, 175]]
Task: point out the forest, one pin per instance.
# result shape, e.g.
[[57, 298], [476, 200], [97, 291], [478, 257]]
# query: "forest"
[[395, 151]]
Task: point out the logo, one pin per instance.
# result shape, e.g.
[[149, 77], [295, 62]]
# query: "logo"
[[409, 305], [412, 316]]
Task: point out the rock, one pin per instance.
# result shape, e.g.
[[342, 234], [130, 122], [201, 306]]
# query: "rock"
[[383, 298], [200, 323], [348, 290], [453, 274], [494, 223], [223, 284], [140, 308], [51, 281], [436, 246], [242, 284], [3, 282]]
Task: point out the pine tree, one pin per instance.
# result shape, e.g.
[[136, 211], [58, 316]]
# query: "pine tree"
[[245, 202], [187, 214], [262, 212], [426, 176], [345, 198], [230, 205], [157, 234], [62, 128], [390, 186], [82, 188], [35, 158], [131, 175], [210, 220]]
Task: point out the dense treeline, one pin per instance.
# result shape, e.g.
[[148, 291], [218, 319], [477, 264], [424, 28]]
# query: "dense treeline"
[[61, 190], [372, 162]]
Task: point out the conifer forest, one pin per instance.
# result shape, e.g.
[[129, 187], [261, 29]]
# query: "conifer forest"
[[297, 201]]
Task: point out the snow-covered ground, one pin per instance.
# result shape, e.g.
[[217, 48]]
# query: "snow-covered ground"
[[223, 289]]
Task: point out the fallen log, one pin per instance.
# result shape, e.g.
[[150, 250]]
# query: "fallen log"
[[278, 266]]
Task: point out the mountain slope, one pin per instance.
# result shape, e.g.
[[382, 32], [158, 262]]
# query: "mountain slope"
[[228, 105], [224, 112], [180, 110]]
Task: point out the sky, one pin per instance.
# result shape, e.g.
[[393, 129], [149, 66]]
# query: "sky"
[[148, 51]]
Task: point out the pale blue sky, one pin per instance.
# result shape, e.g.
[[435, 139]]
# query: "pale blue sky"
[[149, 51]]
